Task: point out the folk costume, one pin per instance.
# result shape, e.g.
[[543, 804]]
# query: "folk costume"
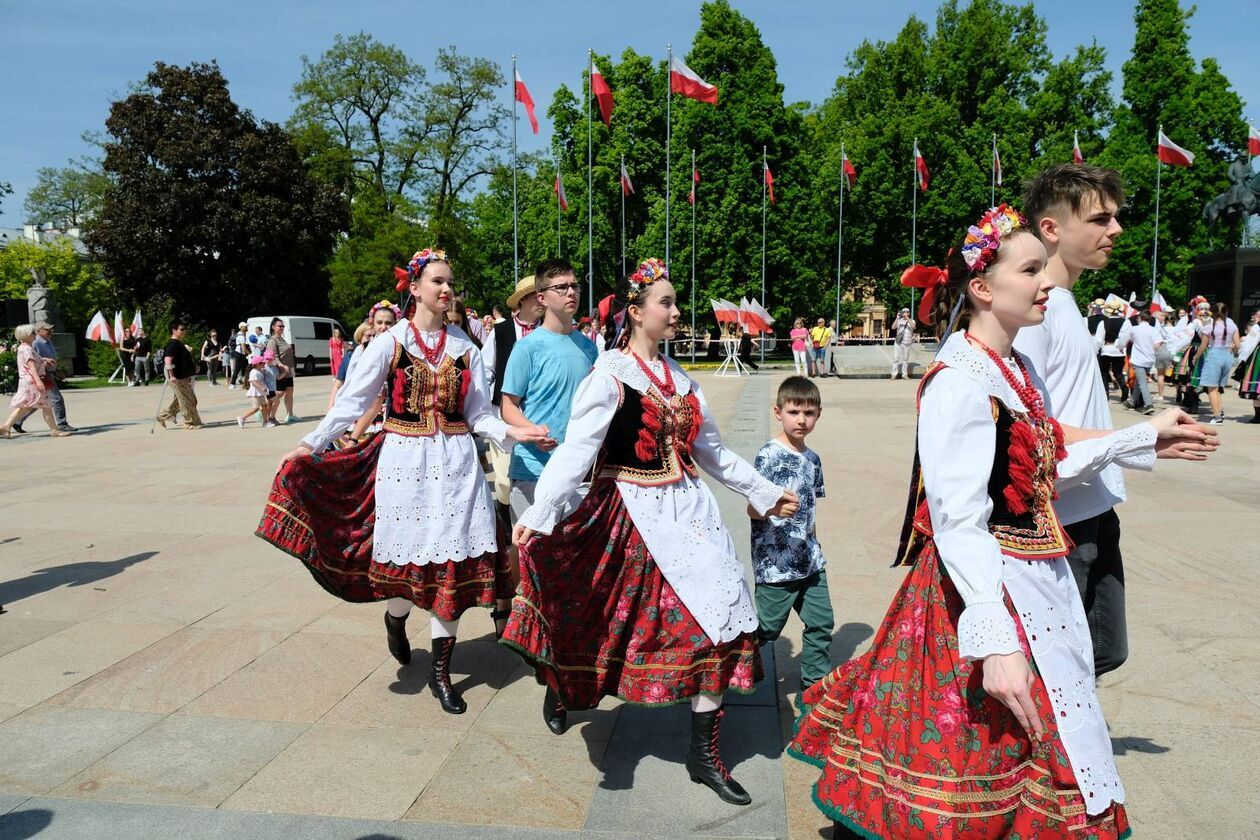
[[1248, 372], [909, 742], [639, 593], [406, 517]]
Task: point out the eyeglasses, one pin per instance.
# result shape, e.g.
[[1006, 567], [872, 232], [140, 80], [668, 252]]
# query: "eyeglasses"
[[563, 288]]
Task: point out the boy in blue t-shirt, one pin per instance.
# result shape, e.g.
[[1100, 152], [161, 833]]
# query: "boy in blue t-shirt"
[[542, 376], [787, 559]]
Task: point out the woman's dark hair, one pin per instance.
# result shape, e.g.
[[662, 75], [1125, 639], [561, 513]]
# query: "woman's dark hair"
[[621, 302], [462, 311], [959, 275], [272, 326], [1220, 311]]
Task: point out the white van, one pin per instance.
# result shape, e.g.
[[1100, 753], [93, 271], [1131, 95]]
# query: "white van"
[[309, 336]]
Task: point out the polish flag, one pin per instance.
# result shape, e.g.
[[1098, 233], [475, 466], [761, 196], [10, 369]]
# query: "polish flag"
[[1077, 157], [682, 79], [920, 166], [724, 312], [558, 189], [997, 166], [695, 179], [769, 176], [98, 329], [523, 97], [1253, 140], [603, 94], [1172, 154], [627, 188], [137, 323], [1158, 304], [850, 173], [750, 319], [762, 314], [118, 327]]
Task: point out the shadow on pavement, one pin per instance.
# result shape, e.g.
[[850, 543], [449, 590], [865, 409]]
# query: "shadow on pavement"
[[69, 574], [19, 825], [1145, 746]]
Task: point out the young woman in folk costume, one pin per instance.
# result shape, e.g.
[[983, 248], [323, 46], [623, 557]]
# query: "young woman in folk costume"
[[973, 714], [638, 594], [406, 517]]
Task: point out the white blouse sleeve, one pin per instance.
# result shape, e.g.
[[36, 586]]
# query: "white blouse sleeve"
[[594, 405], [478, 410], [957, 442], [363, 385], [728, 468], [487, 358], [1132, 448]]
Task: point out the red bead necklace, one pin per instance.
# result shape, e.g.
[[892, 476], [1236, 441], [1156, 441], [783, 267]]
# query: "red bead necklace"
[[434, 355], [666, 386], [1028, 395]]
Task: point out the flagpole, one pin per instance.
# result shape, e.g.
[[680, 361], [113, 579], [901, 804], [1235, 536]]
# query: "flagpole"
[[622, 175], [763, 243], [669, 104], [1159, 167], [559, 209], [1246, 217], [516, 251], [693, 256], [914, 211], [590, 184], [840, 236], [993, 175]]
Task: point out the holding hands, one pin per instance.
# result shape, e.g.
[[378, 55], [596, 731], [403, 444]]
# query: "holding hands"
[[1180, 436]]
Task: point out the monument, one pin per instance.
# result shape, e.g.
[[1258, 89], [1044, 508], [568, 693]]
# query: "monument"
[[1231, 275]]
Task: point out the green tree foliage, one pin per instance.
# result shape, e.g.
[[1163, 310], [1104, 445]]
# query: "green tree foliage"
[[208, 206], [79, 286], [6, 189], [68, 196]]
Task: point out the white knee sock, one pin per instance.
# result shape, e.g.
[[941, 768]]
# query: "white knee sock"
[[439, 629], [398, 607], [706, 702]]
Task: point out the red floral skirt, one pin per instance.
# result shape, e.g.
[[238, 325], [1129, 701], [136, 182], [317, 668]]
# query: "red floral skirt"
[[911, 746], [597, 618], [322, 510]]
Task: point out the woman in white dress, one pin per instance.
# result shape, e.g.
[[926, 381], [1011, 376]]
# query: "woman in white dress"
[[407, 516]]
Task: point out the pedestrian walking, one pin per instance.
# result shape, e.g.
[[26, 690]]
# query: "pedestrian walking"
[[142, 372], [210, 356], [33, 386], [903, 339], [180, 371], [257, 393], [287, 360], [1219, 342], [800, 348]]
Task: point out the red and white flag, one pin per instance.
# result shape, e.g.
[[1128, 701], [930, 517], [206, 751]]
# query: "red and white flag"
[[762, 315], [118, 327], [1158, 304], [683, 80], [920, 166], [1172, 154], [769, 176], [603, 94], [627, 188], [997, 166], [1253, 140], [558, 189], [137, 323], [724, 311], [523, 97], [846, 166], [695, 179], [1077, 157], [98, 329]]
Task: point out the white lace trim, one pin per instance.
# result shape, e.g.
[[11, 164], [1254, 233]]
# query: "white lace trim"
[[624, 368], [960, 355], [986, 628], [1134, 447]]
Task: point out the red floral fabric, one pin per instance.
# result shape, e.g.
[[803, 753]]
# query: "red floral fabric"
[[322, 510], [911, 746], [597, 618]]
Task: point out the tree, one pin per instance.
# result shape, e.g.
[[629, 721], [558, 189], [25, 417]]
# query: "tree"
[[208, 206], [359, 117], [67, 197], [6, 189], [78, 285]]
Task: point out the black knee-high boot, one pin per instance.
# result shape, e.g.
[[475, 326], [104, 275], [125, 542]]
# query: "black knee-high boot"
[[554, 714], [704, 762], [440, 678], [396, 635]]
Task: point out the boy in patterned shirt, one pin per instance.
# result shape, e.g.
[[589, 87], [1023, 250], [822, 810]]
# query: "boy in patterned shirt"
[[787, 559]]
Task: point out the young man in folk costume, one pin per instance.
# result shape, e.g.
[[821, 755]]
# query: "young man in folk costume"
[[974, 714], [639, 594], [406, 517]]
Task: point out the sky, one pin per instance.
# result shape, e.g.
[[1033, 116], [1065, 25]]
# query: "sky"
[[63, 63]]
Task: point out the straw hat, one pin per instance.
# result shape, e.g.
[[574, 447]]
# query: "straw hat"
[[524, 286], [1113, 308]]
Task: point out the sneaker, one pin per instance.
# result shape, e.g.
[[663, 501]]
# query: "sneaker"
[[293, 419], [1217, 420], [66, 427], [269, 424], [1127, 404], [17, 428], [1149, 410], [240, 421]]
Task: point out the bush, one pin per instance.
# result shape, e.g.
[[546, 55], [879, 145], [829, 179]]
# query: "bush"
[[8, 362], [102, 358]]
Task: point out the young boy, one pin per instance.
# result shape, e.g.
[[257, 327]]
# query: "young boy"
[[787, 559]]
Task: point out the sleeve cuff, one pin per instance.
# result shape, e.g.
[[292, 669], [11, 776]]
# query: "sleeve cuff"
[[541, 519], [986, 628], [764, 496], [1135, 447]]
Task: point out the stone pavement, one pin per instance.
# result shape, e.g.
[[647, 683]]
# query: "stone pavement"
[[164, 673]]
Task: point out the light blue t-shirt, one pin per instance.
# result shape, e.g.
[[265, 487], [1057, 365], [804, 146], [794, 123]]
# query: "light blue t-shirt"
[[544, 371]]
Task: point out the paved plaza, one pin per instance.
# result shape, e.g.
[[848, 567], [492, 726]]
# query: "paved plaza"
[[164, 673]]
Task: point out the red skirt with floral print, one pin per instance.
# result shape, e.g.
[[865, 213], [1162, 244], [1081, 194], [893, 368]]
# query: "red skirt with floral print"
[[322, 510], [596, 617], [911, 746]]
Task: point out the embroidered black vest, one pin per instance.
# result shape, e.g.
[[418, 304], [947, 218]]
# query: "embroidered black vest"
[[422, 401], [1021, 488], [504, 340], [648, 441]]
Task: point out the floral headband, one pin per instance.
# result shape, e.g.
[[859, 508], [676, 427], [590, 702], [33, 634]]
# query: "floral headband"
[[648, 272], [984, 238], [385, 304], [404, 276]]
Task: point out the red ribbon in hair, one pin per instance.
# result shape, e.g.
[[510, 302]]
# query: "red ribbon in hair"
[[404, 279], [931, 280]]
